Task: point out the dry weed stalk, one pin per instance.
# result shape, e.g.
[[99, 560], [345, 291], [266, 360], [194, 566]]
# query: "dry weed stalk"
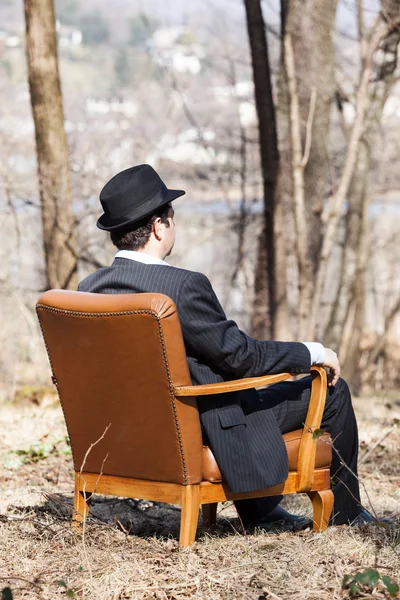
[[91, 495], [317, 434]]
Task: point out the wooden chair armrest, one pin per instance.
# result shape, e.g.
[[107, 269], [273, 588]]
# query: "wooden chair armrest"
[[229, 386], [308, 446]]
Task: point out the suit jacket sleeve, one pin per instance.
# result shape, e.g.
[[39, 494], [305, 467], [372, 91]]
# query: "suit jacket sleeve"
[[217, 341]]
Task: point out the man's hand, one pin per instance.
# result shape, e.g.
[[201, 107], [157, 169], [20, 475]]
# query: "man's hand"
[[332, 363]]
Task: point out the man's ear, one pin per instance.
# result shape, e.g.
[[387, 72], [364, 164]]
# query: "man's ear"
[[157, 229]]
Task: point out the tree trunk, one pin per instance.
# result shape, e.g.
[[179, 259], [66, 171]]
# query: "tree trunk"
[[350, 264], [311, 27], [306, 86], [282, 326], [300, 213], [261, 326], [347, 313], [51, 145], [263, 321], [284, 229]]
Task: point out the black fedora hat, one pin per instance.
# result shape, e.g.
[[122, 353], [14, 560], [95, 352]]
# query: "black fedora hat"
[[132, 195]]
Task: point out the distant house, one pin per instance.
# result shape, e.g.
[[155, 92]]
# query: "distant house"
[[392, 105], [175, 48], [191, 146], [13, 40], [128, 108], [12, 36], [242, 89], [166, 37], [68, 36], [243, 93]]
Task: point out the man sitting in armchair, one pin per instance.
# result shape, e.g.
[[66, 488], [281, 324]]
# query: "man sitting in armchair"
[[250, 453]]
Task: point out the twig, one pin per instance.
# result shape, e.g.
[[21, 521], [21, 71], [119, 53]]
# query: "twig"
[[6, 518], [119, 524], [244, 533], [101, 471], [240, 566], [361, 31], [55, 499], [9, 577], [173, 586], [84, 493], [92, 446], [354, 498], [310, 120], [242, 526], [271, 595], [344, 464], [338, 570], [370, 451]]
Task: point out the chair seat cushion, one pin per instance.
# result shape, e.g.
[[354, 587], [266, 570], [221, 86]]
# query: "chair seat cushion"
[[292, 439]]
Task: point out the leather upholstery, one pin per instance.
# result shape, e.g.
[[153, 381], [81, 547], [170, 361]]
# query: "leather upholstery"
[[292, 439], [115, 359], [323, 456]]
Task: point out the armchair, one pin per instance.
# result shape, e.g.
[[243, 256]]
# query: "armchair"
[[120, 369]]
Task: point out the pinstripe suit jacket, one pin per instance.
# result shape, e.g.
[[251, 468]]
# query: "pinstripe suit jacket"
[[245, 440]]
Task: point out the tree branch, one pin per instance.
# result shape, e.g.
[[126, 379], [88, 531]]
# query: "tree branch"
[[336, 202]]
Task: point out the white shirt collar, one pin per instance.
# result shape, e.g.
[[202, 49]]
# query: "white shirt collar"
[[141, 257]]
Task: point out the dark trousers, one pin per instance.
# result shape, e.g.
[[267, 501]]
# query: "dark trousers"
[[289, 403]]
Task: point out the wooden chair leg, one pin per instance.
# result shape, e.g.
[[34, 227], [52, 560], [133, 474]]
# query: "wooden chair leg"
[[209, 512], [82, 501], [189, 514], [322, 502]]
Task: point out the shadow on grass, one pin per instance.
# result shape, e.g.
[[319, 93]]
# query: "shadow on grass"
[[145, 519], [139, 518]]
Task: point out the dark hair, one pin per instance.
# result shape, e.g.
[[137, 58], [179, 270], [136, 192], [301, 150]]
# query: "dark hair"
[[137, 237]]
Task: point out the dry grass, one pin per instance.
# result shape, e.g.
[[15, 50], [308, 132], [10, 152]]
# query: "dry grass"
[[129, 549]]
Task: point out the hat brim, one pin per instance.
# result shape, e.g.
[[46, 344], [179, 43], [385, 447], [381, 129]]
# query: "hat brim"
[[107, 224]]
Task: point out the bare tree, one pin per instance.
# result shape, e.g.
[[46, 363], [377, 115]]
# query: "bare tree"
[[306, 197], [347, 313], [263, 320], [299, 159], [307, 88], [307, 64], [380, 31], [51, 145]]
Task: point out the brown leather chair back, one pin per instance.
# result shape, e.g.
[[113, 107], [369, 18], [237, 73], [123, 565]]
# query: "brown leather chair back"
[[115, 359]]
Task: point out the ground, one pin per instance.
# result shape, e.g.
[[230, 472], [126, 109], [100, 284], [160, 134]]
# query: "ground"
[[129, 548]]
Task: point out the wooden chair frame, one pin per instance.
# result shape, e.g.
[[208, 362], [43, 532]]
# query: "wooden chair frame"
[[306, 479]]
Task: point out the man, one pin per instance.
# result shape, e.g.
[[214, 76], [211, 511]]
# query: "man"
[[244, 429]]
